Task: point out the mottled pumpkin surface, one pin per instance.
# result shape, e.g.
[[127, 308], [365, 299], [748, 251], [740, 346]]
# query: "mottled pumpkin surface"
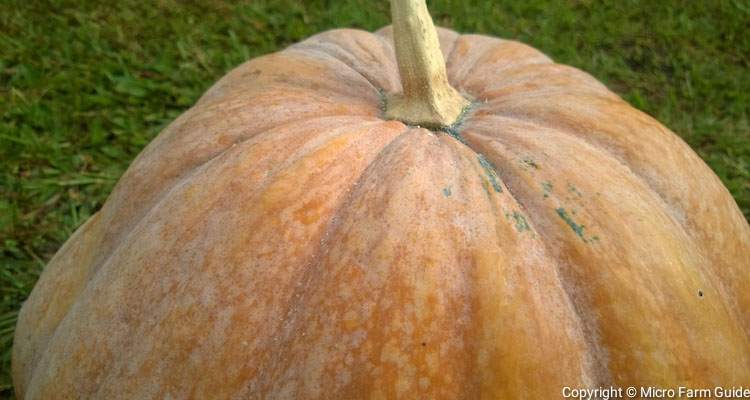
[[281, 240]]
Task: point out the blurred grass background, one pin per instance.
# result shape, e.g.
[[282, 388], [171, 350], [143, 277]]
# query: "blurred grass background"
[[85, 85]]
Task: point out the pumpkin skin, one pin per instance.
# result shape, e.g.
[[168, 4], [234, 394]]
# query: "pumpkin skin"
[[281, 240]]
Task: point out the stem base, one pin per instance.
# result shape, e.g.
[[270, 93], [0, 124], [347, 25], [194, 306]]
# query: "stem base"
[[429, 114]]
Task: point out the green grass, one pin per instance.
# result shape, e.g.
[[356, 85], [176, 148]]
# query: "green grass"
[[84, 86]]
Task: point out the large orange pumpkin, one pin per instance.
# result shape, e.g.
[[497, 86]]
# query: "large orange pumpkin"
[[281, 239]]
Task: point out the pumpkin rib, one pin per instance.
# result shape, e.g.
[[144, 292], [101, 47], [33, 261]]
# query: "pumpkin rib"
[[458, 64], [460, 71], [537, 94], [270, 131], [687, 227], [614, 148], [124, 237], [182, 145], [314, 50], [595, 369], [237, 97], [531, 120], [263, 189], [557, 79], [312, 307], [267, 384], [329, 137], [589, 325], [307, 120], [279, 79], [189, 170], [674, 169], [300, 292], [591, 375], [25, 350], [726, 322], [349, 198], [280, 96], [668, 206], [235, 102], [599, 370], [516, 80], [320, 41], [467, 80], [665, 205]]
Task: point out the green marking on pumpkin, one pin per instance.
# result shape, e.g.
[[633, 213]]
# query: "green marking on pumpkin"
[[486, 187], [528, 162], [546, 188], [489, 170], [447, 191], [454, 130], [521, 224], [383, 102], [573, 190], [578, 229]]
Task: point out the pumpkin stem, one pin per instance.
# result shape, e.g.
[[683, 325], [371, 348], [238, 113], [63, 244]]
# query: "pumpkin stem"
[[428, 99]]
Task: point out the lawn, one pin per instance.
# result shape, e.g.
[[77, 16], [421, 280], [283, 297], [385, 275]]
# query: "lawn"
[[84, 86]]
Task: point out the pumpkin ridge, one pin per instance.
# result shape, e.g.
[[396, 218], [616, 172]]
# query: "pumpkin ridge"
[[190, 170], [347, 201], [303, 152], [573, 132], [457, 66], [596, 365], [514, 77], [599, 147], [321, 41], [593, 373], [587, 92], [391, 55], [493, 44], [665, 204], [501, 80], [32, 353], [185, 131], [100, 263], [693, 203], [303, 75], [314, 48], [694, 263], [414, 154], [299, 292], [193, 169], [730, 301]]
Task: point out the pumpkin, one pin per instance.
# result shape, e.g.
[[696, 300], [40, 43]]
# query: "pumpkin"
[[504, 228]]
